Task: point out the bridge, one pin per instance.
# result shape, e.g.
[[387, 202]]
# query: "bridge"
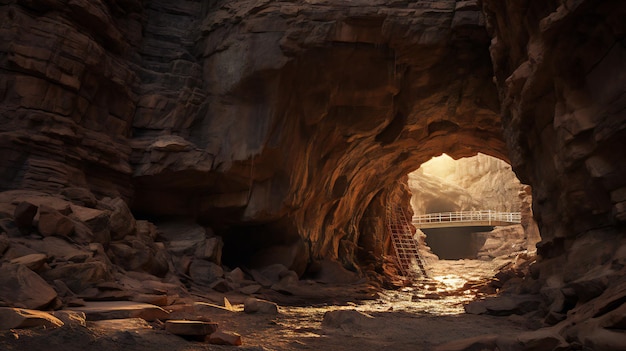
[[466, 219]]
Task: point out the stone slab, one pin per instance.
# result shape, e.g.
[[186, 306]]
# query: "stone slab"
[[121, 310]]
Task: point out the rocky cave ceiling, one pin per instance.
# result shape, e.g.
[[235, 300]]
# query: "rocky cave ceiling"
[[299, 119]]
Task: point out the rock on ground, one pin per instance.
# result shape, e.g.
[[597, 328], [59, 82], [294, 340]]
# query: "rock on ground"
[[21, 287], [190, 328], [121, 309], [253, 305], [346, 319], [224, 338], [11, 318]]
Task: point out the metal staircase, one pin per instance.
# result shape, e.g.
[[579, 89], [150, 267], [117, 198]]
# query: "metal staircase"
[[410, 261]]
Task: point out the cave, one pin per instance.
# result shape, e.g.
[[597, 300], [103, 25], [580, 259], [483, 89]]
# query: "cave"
[[289, 128]]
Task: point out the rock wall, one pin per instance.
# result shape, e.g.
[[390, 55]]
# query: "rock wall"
[[560, 72], [480, 182], [280, 120]]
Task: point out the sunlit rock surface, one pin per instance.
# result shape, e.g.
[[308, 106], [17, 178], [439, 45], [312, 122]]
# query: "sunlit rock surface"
[[476, 183]]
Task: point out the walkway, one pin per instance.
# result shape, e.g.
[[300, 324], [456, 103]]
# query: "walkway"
[[466, 219]]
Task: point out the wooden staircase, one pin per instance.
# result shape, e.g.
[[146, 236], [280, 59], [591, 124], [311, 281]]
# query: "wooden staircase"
[[410, 261]]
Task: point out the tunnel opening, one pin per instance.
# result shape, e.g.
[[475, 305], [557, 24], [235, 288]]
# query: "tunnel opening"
[[458, 202]]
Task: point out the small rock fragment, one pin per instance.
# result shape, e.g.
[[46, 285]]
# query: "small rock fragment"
[[15, 318], [481, 342], [190, 328], [250, 289], [224, 338], [252, 305], [71, 318], [345, 319]]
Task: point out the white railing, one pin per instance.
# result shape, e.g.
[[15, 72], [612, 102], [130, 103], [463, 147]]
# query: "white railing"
[[469, 216]]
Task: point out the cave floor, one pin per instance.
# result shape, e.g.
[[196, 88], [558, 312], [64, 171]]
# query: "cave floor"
[[408, 319]]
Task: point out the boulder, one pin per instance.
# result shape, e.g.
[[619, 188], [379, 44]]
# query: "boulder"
[[211, 250], [252, 305], [221, 285], [182, 237], [289, 283], [60, 250], [269, 275], [604, 339], [52, 222], [291, 256], [21, 287], [236, 276], [33, 261], [345, 319], [224, 338], [332, 272], [135, 255], [504, 305], [7, 225], [190, 328], [250, 289], [4, 244], [204, 272], [98, 221], [80, 276], [24, 214], [121, 220], [261, 279], [18, 318]]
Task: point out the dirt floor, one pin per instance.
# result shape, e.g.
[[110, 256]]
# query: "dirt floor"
[[410, 319]]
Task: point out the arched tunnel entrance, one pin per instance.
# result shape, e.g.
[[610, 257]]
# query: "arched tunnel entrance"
[[454, 202]]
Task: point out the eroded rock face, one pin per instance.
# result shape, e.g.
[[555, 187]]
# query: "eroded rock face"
[[560, 71], [200, 113]]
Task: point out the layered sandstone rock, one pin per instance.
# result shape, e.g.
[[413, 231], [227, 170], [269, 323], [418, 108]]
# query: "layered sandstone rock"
[[475, 183], [193, 118], [559, 68]]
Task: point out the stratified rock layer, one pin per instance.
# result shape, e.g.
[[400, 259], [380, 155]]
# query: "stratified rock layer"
[[287, 116]]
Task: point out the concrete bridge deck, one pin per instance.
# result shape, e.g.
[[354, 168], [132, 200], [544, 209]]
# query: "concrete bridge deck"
[[486, 218]]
